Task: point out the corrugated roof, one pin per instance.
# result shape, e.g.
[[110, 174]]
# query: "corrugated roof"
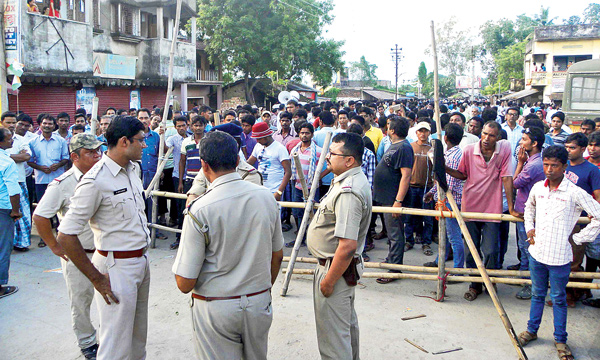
[[380, 94], [520, 94]]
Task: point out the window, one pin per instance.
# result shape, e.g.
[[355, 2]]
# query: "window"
[[126, 25], [149, 26], [125, 20], [585, 93]]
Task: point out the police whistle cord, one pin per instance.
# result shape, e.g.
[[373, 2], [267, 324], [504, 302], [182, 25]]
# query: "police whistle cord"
[[444, 278]]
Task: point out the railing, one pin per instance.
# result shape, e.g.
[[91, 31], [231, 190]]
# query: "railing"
[[207, 75]]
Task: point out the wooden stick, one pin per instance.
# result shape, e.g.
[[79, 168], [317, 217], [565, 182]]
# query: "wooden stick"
[[308, 208], [415, 345], [446, 351], [94, 119], [486, 279], [159, 170], [300, 174], [217, 118], [169, 194], [165, 228], [413, 317]]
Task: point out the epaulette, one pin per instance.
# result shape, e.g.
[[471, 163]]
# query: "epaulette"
[[347, 184], [186, 210], [93, 172], [64, 175]]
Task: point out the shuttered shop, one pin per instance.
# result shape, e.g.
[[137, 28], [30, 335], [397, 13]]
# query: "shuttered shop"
[[37, 99], [153, 96], [112, 97]]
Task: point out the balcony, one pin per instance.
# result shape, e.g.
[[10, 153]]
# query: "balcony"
[[153, 60], [207, 75]]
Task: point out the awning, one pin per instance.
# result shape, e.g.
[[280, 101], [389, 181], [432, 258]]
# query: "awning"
[[520, 94], [380, 95]]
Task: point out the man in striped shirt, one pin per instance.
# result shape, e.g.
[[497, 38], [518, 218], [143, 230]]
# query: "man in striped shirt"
[[189, 163]]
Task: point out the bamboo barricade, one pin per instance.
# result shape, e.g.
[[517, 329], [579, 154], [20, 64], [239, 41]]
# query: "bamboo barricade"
[[461, 271], [300, 175], [442, 221], [308, 208], [161, 166]]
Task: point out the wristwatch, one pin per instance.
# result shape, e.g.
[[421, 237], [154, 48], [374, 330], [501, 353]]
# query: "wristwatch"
[[279, 192]]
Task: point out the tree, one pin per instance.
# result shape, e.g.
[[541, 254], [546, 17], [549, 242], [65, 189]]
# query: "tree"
[[364, 72], [509, 63], [543, 17], [453, 46], [251, 38], [422, 75], [591, 14], [573, 20]]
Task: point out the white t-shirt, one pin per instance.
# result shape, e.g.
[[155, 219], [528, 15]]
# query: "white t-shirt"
[[20, 143], [269, 164]]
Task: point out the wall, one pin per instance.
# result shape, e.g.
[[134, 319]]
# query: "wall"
[[153, 60]]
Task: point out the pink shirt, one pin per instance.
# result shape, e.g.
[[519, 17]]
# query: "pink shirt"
[[482, 190]]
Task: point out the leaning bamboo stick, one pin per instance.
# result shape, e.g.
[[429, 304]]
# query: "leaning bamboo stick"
[[161, 167], [458, 271], [164, 228], [300, 175]]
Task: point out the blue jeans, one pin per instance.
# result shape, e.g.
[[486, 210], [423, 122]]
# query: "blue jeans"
[[412, 221], [523, 246], [558, 277], [456, 241], [7, 225]]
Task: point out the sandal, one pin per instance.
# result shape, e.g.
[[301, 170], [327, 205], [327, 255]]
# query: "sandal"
[[526, 337], [41, 244], [385, 280], [591, 302], [379, 236], [408, 246], [564, 352], [427, 250], [472, 294]]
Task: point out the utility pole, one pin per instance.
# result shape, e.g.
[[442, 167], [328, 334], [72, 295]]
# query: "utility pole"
[[472, 73], [396, 56]]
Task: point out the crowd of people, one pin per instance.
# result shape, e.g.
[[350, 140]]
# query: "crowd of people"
[[501, 158]]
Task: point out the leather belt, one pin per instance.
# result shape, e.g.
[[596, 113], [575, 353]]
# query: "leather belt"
[[89, 251], [123, 254], [204, 298]]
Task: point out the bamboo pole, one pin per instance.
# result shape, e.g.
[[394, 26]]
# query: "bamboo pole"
[[432, 277], [441, 221], [163, 122], [94, 119], [486, 279], [308, 208], [165, 228], [300, 174], [460, 271], [161, 166]]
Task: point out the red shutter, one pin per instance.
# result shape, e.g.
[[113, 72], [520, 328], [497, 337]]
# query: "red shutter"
[[153, 96], [37, 99], [112, 97]]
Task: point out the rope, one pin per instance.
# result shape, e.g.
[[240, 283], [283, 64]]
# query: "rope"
[[443, 289], [441, 206]]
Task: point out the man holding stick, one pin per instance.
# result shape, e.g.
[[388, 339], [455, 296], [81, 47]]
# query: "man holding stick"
[[336, 236], [551, 212], [109, 197]]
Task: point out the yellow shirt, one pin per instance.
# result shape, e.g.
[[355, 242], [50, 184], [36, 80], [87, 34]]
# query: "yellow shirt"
[[376, 135]]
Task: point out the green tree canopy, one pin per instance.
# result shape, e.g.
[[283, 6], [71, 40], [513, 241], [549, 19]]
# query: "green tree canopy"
[[364, 72], [422, 74], [591, 14]]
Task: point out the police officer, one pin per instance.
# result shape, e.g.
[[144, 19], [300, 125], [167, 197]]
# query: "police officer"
[[336, 236], [246, 171], [109, 196], [85, 152], [229, 257]]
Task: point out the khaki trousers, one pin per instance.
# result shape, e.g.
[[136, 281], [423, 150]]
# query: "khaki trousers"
[[81, 294], [124, 326], [337, 324], [232, 329]]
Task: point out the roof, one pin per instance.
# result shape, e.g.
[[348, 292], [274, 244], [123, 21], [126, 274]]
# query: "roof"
[[520, 94], [380, 94], [300, 87], [585, 66]]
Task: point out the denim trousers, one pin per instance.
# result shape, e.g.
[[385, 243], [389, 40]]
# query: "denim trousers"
[[455, 239], [6, 243], [558, 276], [523, 246], [412, 222]]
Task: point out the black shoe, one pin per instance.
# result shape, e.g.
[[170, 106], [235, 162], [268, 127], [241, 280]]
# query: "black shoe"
[[41, 244], [90, 352], [20, 249], [175, 245], [430, 264], [286, 227], [366, 257], [513, 267], [6, 290]]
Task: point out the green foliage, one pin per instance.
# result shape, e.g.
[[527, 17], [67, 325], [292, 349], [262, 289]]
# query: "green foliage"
[[454, 47], [364, 72], [543, 17], [422, 74], [573, 20], [447, 85], [509, 64], [332, 93], [591, 14], [254, 37]]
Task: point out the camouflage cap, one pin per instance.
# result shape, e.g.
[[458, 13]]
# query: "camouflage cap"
[[85, 141]]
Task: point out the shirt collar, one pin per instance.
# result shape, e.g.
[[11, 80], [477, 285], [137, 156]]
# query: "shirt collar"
[[225, 179], [78, 173], [562, 186], [347, 173], [477, 149], [52, 137], [113, 167]]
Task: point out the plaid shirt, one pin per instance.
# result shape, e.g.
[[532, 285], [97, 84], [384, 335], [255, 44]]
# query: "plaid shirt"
[[368, 166], [452, 157], [553, 214]]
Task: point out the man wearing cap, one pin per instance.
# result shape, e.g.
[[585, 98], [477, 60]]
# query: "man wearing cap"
[[229, 266], [109, 197], [273, 160], [85, 152], [336, 237], [246, 171]]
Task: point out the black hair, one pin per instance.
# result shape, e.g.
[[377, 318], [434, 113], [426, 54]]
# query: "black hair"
[[355, 129], [353, 145], [444, 119], [560, 115], [230, 112], [590, 123], [366, 110], [179, 118], [81, 111], [25, 117], [479, 120], [200, 119], [122, 125], [78, 127], [411, 115], [489, 114], [78, 115], [293, 102], [306, 125], [301, 113], [514, 108], [285, 114], [133, 109], [47, 117], [8, 114], [343, 111], [594, 138], [110, 108], [204, 108], [443, 109], [400, 126], [556, 152], [536, 123], [316, 111], [382, 121], [454, 133], [248, 119], [146, 110], [493, 124], [578, 138], [63, 115], [360, 119], [537, 135], [121, 111], [327, 118], [219, 150], [421, 114], [3, 133]]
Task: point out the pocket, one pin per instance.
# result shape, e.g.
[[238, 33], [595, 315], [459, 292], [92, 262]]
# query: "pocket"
[[123, 206]]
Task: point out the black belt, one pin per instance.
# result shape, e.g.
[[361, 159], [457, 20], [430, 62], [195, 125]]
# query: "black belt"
[[89, 251], [206, 298]]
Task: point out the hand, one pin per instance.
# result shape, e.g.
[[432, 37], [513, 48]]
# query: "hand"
[[161, 130], [397, 205], [277, 196], [428, 197], [531, 237], [15, 215], [326, 288], [102, 285], [522, 155], [45, 169], [516, 214], [53, 167], [58, 251], [180, 188], [23, 151]]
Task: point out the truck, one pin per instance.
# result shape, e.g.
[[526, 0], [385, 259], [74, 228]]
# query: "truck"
[[581, 97]]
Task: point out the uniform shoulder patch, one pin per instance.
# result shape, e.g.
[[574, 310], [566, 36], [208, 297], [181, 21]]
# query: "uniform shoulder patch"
[[63, 176], [93, 172], [347, 184]]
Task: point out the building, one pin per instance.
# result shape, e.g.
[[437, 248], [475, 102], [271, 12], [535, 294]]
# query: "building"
[[116, 50], [550, 52]]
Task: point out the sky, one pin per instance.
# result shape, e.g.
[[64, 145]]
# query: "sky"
[[372, 28]]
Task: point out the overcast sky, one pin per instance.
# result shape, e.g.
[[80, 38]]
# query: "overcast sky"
[[372, 28]]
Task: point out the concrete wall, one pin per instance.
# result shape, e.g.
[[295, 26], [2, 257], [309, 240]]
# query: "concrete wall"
[[35, 43], [153, 60]]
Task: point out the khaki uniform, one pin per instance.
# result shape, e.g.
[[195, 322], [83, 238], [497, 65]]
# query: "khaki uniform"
[[246, 171], [110, 198], [227, 241], [344, 212], [56, 201]]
